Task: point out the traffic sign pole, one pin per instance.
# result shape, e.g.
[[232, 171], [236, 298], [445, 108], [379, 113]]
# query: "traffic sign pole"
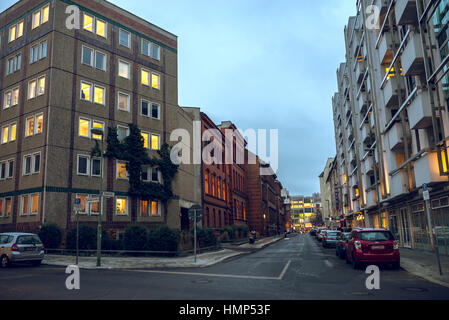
[[433, 238]]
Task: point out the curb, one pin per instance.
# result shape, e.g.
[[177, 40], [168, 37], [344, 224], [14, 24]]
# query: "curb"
[[406, 263]]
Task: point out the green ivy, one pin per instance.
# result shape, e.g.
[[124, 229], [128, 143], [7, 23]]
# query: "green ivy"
[[132, 150]]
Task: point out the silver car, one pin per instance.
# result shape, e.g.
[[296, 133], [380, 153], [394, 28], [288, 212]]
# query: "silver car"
[[20, 247]]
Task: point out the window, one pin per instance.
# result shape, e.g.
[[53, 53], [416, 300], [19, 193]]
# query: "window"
[[9, 133], [8, 206], [34, 204], [123, 69], [155, 81], [125, 38], [14, 64], [40, 17], [206, 182], [25, 206], [31, 164], [3, 170], [83, 165], [123, 101], [101, 28], [146, 139], [99, 95], [88, 22], [84, 125], [94, 25], [122, 132], [145, 75], [150, 174], [147, 210], [38, 52], [11, 98], [151, 50], [10, 171], [96, 167], [83, 200], [97, 125], [34, 125], [86, 91], [16, 31], [155, 111], [121, 170], [121, 207], [155, 142], [93, 58], [36, 87]]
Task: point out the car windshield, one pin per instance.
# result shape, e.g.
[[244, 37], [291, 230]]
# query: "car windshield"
[[332, 234], [4, 238], [376, 236], [29, 239], [346, 235]]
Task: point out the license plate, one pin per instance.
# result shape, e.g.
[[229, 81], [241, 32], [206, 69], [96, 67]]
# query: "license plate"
[[30, 249], [378, 247]]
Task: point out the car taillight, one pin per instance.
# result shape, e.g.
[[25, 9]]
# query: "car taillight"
[[358, 245], [14, 247], [396, 245]]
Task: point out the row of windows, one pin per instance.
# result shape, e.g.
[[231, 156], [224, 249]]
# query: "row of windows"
[[217, 189], [6, 169], [39, 17], [99, 27], [33, 125], [147, 208], [36, 88], [37, 53], [149, 174], [5, 207], [31, 165]]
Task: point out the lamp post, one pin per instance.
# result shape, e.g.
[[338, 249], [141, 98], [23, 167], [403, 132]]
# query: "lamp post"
[[100, 132]]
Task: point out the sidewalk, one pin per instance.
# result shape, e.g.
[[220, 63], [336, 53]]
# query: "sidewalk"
[[203, 260], [424, 264]]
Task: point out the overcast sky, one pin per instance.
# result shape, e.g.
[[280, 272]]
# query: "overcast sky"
[[262, 64]]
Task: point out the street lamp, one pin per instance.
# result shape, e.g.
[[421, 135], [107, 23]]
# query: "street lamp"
[[100, 132]]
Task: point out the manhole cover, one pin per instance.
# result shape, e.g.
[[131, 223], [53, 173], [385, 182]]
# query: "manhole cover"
[[202, 281], [415, 289]]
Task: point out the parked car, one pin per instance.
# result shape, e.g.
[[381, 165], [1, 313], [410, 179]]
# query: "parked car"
[[340, 246], [330, 238], [372, 246], [313, 231], [20, 247], [320, 233]]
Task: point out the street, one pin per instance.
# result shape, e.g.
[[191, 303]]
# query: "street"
[[292, 269]]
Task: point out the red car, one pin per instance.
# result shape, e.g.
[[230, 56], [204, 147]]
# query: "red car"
[[372, 246]]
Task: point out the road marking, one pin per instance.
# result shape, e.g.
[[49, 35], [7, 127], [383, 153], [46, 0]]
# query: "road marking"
[[281, 276], [328, 263]]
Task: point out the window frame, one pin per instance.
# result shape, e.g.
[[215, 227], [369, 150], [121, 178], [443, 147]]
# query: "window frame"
[[158, 80], [128, 101], [32, 164], [16, 30], [87, 157], [39, 51], [116, 170], [15, 63], [121, 61], [41, 17], [126, 206], [129, 38]]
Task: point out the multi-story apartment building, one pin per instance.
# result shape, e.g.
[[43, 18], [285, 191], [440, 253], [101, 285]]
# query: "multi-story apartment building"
[[57, 85], [391, 119], [302, 212]]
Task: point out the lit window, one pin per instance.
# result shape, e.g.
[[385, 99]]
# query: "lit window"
[[16, 31], [34, 203], [15, 100], [83, 201], [206, 183], [19, 29], [88, 23], [144, 208], [84, 128], [36, 19], [13, 132], [123, 102], [121, 207], [86, 89], [45, 13], [101, 28], [8, 100], [146, 138], [124, 38], [121, 170], [154, 208], [12, 33], [99, 95], [25, 205], [145, 77], [41, 86], [8, 207], [155, 142], [29, 127], [155, 81], [98, 125], [123, 69], [5, 134]]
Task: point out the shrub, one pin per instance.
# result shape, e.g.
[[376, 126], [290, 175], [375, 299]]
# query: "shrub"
[[87, 238], [240, 230], [224, 237], [135, 238], [230, 231], [163, 238], [185, 241], [110, 244], [206, 238], [51, 236]]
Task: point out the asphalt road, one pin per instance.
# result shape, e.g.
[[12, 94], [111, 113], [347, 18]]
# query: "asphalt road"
[[293, 269]]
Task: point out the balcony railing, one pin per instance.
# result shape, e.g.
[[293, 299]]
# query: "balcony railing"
[[395, 137], [391, 90], [427, 169], [412, 56], [419, 111], [405, 11], [386, 51]]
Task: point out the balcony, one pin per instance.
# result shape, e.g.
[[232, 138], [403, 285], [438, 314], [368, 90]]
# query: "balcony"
[[382, 5], [368, 165], [395, 137], [386, 51], [349, 133], [427, 170], [360, 70], [398, 184], [354, 181], [371, 199], [348, 107], [366, 134], [363, 102], [412, 56], [419, 111], [405, 11], [352, 159], [391, 91]]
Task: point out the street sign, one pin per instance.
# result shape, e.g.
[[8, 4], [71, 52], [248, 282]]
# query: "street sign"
[[426, 195], [108, 194], [77, 201], [424, 187]]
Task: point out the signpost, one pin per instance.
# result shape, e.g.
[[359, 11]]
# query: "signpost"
[[433, 238], [77, 207], [196, 212]]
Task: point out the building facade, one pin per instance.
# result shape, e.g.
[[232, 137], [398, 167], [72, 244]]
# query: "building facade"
[[391, 120], [57, 85]]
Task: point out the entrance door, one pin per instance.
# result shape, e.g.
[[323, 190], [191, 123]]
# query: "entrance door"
[[405, 228]]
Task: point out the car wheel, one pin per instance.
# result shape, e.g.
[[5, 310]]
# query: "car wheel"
[[36, 263], [4, 262], [396, 265]]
